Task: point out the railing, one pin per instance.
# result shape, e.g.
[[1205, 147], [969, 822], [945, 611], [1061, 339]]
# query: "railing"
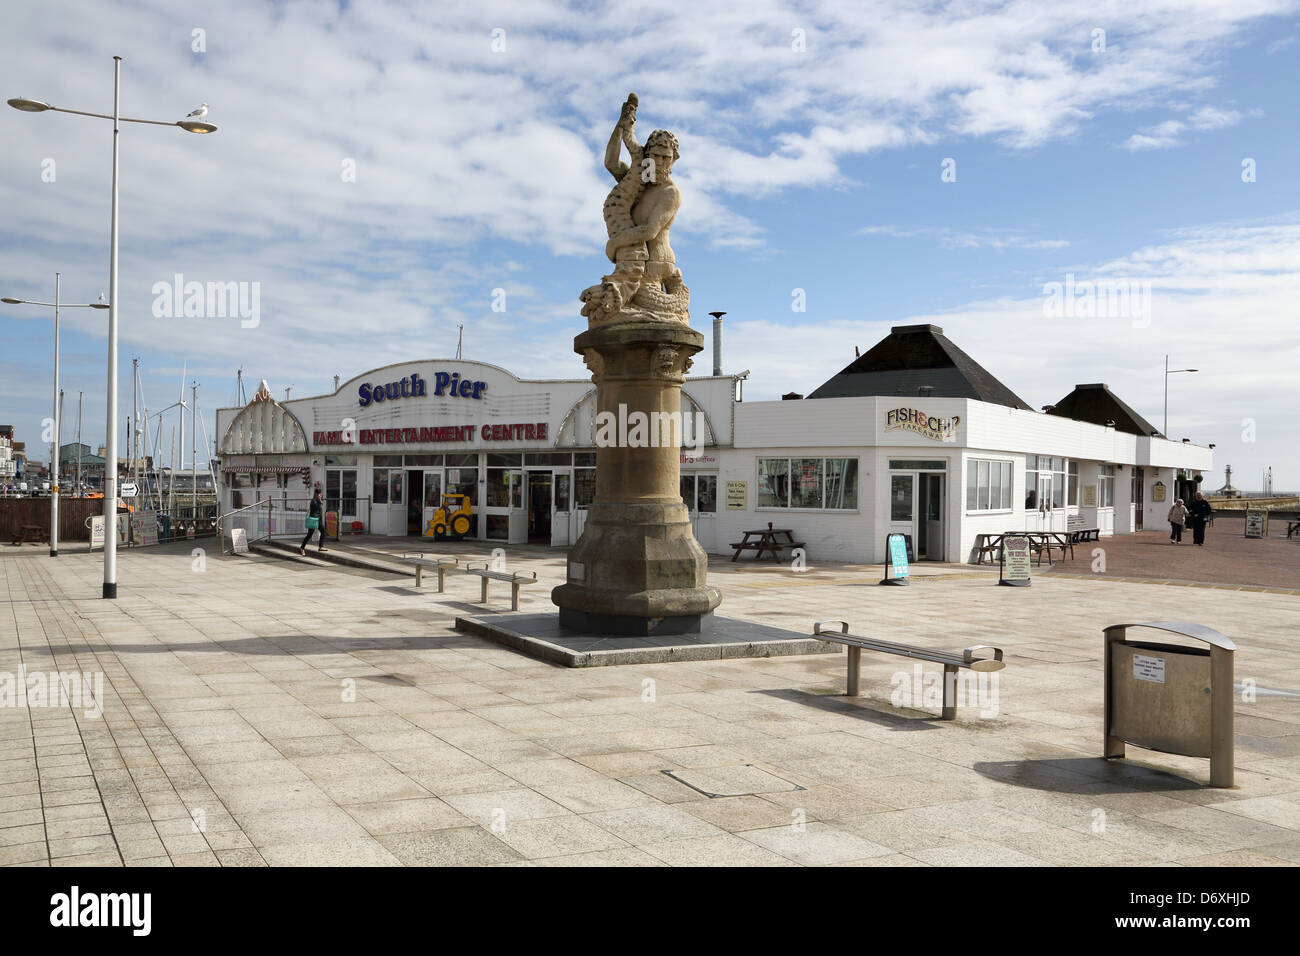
[[277, 518], [254, 520]]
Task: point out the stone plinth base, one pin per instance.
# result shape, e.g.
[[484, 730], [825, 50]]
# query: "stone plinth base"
[[617, 624]]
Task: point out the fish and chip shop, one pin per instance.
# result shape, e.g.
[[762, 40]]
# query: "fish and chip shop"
[[913, 437]]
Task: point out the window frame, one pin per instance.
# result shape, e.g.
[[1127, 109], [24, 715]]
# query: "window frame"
[[762, 475]]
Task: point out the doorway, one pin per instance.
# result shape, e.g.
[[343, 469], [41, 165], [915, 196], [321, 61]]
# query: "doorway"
[[1138, 496], [414, 502], [539, 507], [917, 510]]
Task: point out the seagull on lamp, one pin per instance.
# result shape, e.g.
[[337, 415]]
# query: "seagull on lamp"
[[199, 113]]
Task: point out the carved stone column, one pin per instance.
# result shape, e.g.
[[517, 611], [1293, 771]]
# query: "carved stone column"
[[637, 568]]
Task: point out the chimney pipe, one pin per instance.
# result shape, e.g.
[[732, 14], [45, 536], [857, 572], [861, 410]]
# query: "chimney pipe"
[[717, 342], [336, 383]]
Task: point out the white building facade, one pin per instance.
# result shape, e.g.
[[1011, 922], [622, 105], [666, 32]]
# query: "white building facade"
[[839, 473]]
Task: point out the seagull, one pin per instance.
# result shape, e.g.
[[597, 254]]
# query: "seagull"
[[199, 113]]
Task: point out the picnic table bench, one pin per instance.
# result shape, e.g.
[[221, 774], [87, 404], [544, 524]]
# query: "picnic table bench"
[[951, 662], [766, 539], [1079, 531], [30, 532], [1040, 542]]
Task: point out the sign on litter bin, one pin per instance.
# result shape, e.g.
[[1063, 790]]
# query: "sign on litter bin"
[[1172, 698]]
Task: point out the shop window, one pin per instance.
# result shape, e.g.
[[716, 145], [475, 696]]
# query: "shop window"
[[349, 460], [379, 487], [584, 459], [774, 482], [1031, 482], [584, 487], [808, 483], [505, 461], [562, 492], [424, 461], [1106, 486], [388, 461], [1072, 499], [706, 494], [988, 484], [841, 484], [463, 481], [498, 487], [549, 458], [241, 494], [462, 461]]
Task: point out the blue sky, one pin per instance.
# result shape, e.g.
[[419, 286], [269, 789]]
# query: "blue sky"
[[813, 138]]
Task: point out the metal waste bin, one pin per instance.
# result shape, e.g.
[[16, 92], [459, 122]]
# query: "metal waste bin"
[[1172, 698]]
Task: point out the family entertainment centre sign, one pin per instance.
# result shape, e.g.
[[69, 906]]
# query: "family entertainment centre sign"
[[915, 420]]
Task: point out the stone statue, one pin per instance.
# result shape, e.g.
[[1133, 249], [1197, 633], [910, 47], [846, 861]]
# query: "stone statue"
[[646, 285]]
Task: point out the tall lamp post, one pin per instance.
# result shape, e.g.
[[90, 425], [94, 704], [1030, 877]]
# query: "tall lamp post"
[[190, 125], [1171, 371], [56, 305]]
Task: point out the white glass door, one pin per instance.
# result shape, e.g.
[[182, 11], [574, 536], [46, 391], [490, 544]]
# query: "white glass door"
[[561, 507], [902, 508], [432, 499]]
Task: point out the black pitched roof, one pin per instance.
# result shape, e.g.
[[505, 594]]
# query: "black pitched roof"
[[1097, 404], [914, 360]]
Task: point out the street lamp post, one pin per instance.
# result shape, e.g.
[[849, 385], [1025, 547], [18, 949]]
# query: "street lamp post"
[[1171, 371], [110, 465], [56, 305]]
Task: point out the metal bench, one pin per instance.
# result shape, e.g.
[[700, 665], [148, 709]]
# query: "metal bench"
[[515, 579], [441, 565], [951, 661]]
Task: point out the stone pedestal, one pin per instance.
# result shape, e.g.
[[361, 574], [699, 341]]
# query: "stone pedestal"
[[637, 568]]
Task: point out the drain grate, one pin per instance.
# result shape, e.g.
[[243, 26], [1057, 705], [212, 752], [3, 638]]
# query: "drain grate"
[[737, 781]]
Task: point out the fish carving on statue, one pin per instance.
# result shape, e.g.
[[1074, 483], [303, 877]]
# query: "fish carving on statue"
[[646, 285]]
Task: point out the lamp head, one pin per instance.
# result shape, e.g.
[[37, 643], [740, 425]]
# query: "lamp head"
[[29, 106], [195, 126], [10, 301]]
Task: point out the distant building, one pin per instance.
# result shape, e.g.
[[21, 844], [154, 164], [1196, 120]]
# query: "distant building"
[[1227, 491]]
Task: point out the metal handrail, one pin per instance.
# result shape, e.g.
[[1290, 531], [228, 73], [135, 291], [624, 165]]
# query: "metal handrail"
[[223, 516]]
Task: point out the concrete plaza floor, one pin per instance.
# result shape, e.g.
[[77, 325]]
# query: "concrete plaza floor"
[[259, 711]]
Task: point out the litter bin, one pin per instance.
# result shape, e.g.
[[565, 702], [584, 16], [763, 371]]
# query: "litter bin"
[[1171, 698]]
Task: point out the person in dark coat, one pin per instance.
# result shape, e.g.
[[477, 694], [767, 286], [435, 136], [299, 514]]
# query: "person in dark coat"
[[1201, 512], [317, 511]]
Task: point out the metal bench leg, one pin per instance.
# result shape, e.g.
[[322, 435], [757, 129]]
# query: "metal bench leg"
[[442, 580], [483, 593], [949, 692], [855, 670], [419, 575], [514, 597]]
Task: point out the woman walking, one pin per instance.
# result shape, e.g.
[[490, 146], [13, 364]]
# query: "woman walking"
[[1201, 512], [315, 523], [1177, 518]]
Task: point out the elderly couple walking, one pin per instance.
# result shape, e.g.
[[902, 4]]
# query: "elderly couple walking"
[[1197, 516]]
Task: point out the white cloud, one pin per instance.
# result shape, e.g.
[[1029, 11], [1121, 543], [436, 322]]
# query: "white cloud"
[[951, 238]]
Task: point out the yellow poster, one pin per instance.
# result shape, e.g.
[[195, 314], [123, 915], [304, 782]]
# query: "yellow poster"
[[737, 495]]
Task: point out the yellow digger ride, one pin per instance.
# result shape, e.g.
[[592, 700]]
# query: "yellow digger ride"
[[453, 519]]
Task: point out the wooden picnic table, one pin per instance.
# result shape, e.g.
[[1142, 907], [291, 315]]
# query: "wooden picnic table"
[[766, 539], [30, 532], [1039, 541]]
